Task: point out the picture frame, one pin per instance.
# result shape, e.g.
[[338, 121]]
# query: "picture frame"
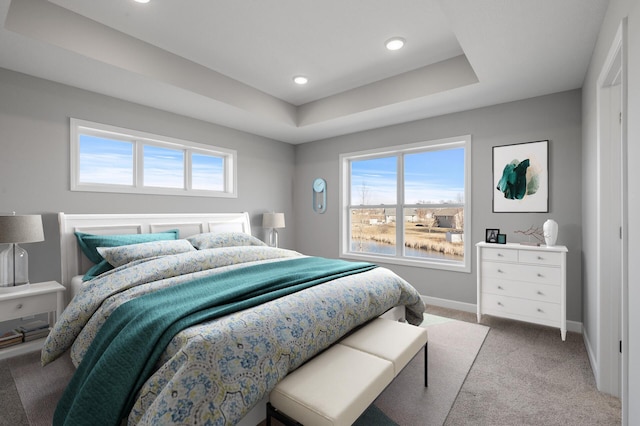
[[491, 235], [521, 177], [502, 238]]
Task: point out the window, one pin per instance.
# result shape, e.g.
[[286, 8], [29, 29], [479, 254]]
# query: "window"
[[110, 159], [407, 204]]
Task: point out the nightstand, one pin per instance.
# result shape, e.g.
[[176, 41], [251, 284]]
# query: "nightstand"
[[36, 298]]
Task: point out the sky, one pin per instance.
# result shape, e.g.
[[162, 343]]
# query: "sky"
[[111, 161], [430, 177]]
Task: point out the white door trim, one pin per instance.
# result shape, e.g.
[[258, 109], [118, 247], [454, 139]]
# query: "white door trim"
[[611, 220]]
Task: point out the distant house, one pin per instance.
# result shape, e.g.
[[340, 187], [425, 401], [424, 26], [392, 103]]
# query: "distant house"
[[449, 218], [390, 216], [455, 237]]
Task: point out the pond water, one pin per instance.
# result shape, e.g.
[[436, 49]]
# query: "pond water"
[[388, 249]]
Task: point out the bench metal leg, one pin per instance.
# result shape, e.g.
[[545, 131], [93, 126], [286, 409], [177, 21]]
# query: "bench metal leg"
[[426, 383]]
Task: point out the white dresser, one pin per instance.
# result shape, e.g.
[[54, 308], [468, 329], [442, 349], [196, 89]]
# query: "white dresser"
[[525, 283]]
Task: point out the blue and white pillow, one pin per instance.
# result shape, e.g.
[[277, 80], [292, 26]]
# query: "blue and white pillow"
[[211, 240], [118, 256]]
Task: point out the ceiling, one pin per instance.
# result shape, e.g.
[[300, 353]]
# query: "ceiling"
[[232, 62]]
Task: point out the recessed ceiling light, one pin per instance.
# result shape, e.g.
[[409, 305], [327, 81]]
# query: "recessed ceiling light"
[[141, 1], [300, 79], [394, 43]]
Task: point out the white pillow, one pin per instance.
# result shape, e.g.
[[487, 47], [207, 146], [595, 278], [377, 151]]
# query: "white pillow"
[[223, 239], [118, 256]]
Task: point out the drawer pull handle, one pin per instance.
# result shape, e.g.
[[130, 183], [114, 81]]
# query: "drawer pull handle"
[[500, 271], [540, 275], [540, 310], [19, 306], [500, 287], [540, 293], [500, 255], [500, 304], [540, 258]]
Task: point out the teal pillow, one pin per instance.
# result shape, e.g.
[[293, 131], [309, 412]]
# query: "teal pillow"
[[90, 242]]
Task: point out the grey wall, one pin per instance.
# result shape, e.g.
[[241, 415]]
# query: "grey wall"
[[34, 163], [555, 117]]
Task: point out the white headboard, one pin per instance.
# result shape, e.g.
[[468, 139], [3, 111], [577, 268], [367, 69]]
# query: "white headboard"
[[74, 262]]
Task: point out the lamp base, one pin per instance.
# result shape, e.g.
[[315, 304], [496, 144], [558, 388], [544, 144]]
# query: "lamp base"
[[273, 238], [14, 267]]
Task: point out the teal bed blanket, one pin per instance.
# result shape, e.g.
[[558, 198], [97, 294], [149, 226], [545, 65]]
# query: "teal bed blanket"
[[131, 341]]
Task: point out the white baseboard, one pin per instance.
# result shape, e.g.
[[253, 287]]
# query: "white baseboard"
[[451, 304], [592, 357], [573, 326]]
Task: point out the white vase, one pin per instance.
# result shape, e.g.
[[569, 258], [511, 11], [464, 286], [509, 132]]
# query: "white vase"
[[550, 231]]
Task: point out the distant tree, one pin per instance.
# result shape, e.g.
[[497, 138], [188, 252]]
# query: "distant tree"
[[421, 212], [458, 220]]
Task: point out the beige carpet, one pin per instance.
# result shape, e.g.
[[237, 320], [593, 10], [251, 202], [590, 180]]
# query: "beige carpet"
[[453, 346], [526, 375], [12, 412], [40, 388]]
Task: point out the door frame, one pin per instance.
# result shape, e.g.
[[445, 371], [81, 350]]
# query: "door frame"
[[612, 316]]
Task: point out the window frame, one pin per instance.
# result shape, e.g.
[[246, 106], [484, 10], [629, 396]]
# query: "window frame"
[[140, 140], [398, 151]]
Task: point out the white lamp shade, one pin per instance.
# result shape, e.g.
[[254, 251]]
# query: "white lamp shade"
[[273, 220], [21, 229]]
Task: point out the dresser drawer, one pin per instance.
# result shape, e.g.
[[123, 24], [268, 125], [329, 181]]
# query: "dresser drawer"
[[523, 309], [500, 254], [504, 271], [519, 272], [524, 290], [28, 305], [540, 257], [540, 274]]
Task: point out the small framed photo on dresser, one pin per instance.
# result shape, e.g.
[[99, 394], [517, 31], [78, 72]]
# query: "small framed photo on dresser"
[[491, 235], [502, 238]]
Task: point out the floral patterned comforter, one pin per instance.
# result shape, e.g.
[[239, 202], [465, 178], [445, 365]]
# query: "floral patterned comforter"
[[215, 372]]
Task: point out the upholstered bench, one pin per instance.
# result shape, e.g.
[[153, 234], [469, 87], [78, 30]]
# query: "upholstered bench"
[[391, 340], [336, 387]]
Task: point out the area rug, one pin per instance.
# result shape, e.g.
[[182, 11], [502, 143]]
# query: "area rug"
[[453, 346]]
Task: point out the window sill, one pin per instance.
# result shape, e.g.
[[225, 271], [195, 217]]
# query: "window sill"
[[447, 265]]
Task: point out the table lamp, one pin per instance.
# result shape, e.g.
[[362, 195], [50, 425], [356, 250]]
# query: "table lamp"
[[14, 261]]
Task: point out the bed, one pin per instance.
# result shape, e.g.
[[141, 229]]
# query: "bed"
[[216, 368]]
